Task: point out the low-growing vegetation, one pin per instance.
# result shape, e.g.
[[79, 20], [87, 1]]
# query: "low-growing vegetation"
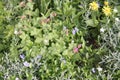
[[59, 40]]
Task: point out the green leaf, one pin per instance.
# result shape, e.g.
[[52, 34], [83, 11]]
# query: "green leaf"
[[34, 31], [23, 36], [118, 7], [91, 22], [30, 5], [76, 56], [38, 40], [83, 42]]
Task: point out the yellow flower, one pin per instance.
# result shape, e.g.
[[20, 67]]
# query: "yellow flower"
[[106, 10], [94, 6], [106, 3]]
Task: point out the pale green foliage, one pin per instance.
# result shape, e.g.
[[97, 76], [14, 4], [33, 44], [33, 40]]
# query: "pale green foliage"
[[60, 40]]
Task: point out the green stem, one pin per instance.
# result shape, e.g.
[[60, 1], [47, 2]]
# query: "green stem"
[[94, 18]]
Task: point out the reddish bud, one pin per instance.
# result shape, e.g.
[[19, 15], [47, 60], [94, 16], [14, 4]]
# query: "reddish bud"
[[22, 4], [54, 14], [29, 0], [45, 20], [67, 31], [23, 17], [80, 45]]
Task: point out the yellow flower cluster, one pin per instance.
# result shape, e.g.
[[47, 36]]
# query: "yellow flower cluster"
[[94, 6], [106, 3], [106, 9]]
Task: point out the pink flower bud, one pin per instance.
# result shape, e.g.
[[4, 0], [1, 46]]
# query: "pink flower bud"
[[75, 50]]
